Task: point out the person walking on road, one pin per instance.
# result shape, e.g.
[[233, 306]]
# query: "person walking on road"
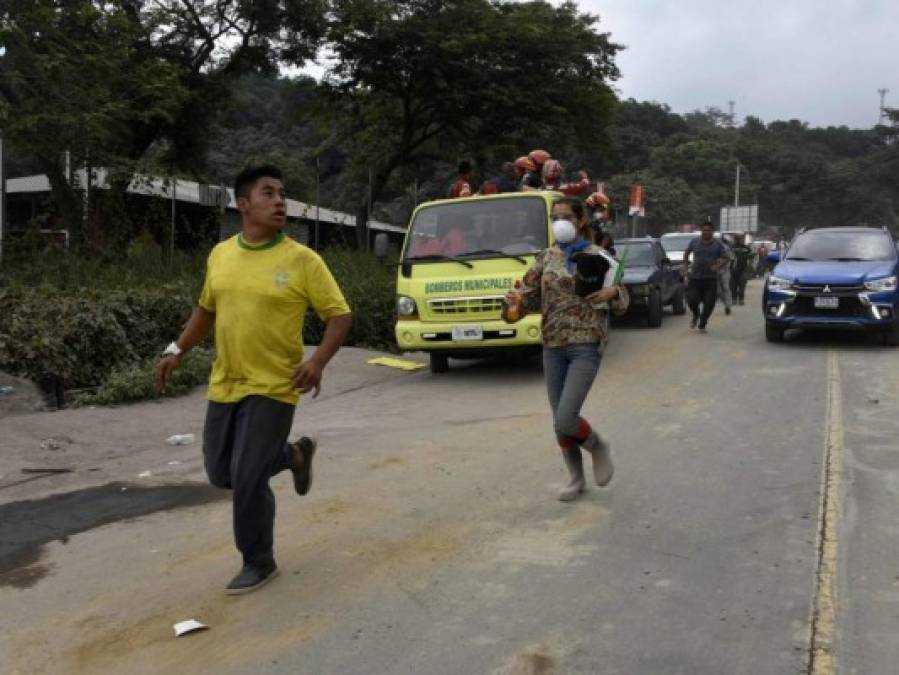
[[575, 329], [709, 255], [724, 272], [741, 269], [763, 260], [258, 286]]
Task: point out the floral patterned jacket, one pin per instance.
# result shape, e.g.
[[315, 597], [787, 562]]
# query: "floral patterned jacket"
[[568, 319]]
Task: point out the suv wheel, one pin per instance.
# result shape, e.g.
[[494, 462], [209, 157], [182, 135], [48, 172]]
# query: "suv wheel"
[[439, 363], [654, 309], [773, 333], [891, 337]]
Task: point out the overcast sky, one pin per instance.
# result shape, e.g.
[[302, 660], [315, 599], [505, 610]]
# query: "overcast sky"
[[821, 61]]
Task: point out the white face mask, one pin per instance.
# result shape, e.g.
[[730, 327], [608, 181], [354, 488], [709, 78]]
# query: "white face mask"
[[564, 231]]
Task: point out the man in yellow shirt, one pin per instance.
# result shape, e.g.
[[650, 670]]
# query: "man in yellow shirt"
[[258, 287]]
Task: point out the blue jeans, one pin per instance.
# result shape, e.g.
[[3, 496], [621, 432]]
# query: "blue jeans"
[[570, 372]]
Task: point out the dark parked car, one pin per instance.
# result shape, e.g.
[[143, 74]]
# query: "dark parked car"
[[652, 280]]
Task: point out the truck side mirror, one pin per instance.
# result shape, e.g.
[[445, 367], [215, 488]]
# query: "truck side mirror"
[[773, 257]]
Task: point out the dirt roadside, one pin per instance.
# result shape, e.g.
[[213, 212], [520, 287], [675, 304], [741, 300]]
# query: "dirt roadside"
[[24, 396], [101, 445]]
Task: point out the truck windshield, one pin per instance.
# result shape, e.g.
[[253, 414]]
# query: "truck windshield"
[[478, 229], [842, 246]]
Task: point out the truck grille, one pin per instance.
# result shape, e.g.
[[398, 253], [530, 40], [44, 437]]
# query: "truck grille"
[[480, 305]]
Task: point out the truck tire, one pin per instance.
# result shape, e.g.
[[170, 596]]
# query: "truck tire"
[[654, 309], [773, 333], [891, 337], [679, 304], [439, 363]]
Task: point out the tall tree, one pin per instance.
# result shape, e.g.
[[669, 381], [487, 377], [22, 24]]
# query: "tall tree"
[[115, 79], [419, 79], [70, 79]]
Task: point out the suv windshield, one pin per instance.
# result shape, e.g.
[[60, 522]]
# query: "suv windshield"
[[849, 246], [636, 254], [479, 228], [677, 243]]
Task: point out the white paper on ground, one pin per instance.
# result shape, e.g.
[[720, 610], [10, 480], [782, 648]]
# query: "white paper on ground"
[[145, 474], [188, 626]]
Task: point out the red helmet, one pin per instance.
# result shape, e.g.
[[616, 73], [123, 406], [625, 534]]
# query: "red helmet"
[[524, 164], [598, 201], [539, 157], [552, 170]]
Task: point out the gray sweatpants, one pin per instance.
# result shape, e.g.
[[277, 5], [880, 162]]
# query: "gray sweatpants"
[[244, 445]]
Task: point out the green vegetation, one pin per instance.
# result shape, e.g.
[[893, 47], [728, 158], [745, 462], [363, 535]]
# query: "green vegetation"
[[96, 330], [135, 383]]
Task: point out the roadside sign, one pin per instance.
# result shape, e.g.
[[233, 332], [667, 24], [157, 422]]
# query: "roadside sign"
[[740, 218], [636, 201]]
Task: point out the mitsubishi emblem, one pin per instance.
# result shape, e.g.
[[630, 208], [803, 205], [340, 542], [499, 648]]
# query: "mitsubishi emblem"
[[827, 289]]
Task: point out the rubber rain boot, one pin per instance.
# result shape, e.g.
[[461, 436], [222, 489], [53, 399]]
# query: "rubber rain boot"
[[602, 459], [575, 464]]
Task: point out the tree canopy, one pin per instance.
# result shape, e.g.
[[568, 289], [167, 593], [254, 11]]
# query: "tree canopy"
[[422, 79], [124, 81], [196, 87]]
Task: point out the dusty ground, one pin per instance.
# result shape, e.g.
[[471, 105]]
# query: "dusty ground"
[[432, 541], [101, 445]]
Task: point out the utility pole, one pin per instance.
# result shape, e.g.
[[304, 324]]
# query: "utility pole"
[[883, 112], [2, 197], [737, 187], [369, 209], [174, 215], [317, 201]]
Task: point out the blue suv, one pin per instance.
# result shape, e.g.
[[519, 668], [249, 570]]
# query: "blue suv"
[[835, 278]]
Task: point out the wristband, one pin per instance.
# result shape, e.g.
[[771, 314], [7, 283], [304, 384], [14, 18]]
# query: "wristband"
[[173, 350]]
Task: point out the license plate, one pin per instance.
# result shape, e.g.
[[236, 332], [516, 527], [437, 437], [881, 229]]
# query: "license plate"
[[827, 303], [466, 333]]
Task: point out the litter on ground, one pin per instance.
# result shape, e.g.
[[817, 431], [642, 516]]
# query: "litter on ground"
[[188, 626], [400, 364]]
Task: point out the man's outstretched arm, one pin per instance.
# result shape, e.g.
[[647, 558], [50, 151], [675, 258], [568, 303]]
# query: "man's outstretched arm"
[[199, 325]]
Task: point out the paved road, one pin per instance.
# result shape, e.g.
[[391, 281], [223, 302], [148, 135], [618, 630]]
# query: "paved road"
[[432, 541]]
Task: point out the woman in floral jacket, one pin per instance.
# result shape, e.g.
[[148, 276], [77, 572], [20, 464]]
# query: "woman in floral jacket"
[[575, 330]]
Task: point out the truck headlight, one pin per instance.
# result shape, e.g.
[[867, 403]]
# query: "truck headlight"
[[886, 284], [405, 306], [778, 284]]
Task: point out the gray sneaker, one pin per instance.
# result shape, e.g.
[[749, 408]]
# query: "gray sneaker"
[[302, 452], [251, 577]]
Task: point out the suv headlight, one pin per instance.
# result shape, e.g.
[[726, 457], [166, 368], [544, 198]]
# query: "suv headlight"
[[405, 306], [887, 284], [778, 284]]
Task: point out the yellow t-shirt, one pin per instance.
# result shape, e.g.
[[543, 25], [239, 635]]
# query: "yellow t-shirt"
[[260, 296]]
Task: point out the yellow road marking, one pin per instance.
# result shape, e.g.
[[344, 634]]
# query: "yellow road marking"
[[822, 659]]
